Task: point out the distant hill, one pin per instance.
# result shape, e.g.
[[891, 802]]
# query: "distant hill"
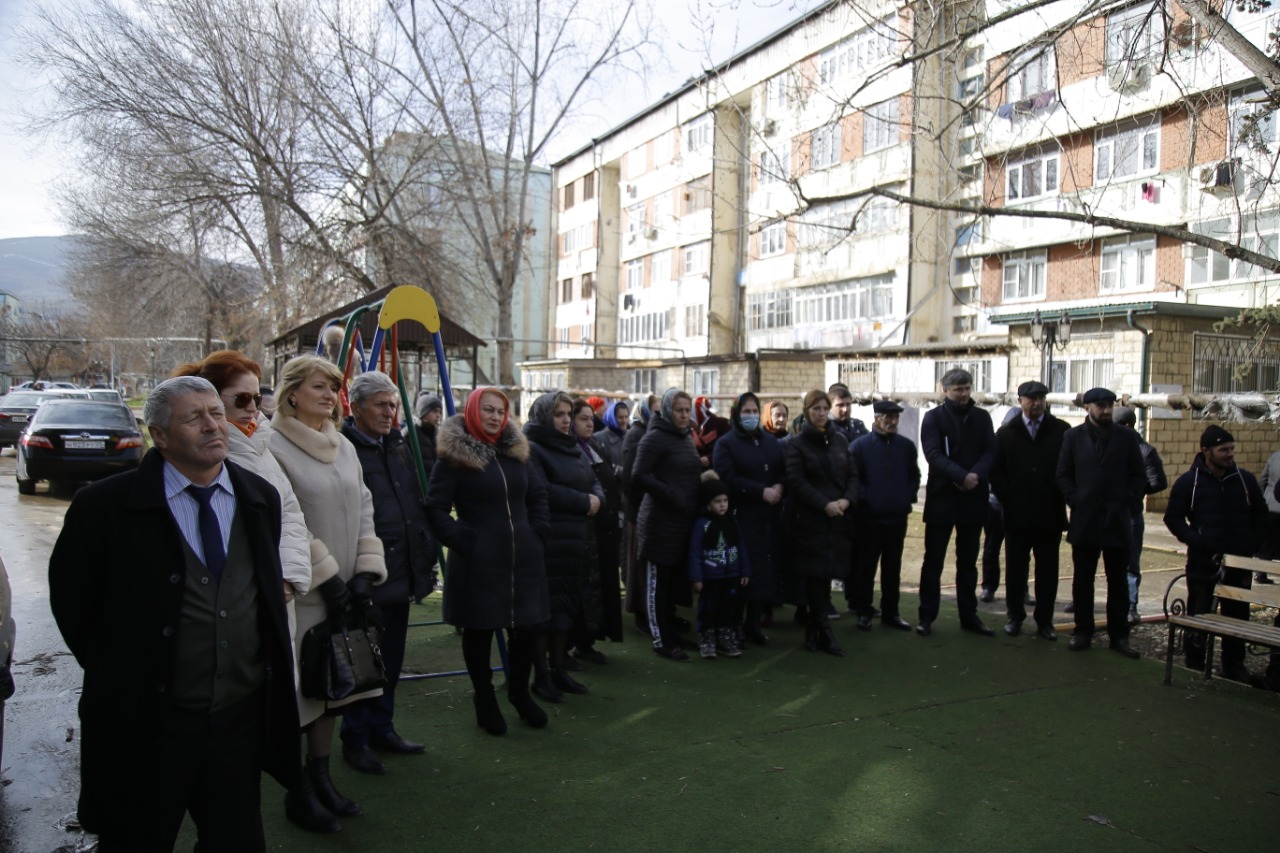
[[34, 268]]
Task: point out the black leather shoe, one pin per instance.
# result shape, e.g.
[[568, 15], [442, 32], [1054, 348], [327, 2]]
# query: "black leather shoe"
[[1047, 632], [895, 622], [670, 652], [590, 654], [754, 634], [394, 743], [565, 682], [864, 623], [987, 595], [924, 629], [363, 759], [572, 665], [976, 627], [545, 690], [684, 643], [1013, 628], [1080, 643], [1122, 646]]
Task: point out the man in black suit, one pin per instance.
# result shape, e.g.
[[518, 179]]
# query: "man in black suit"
[[1101, 475], [960, 447], [1024, 479], [166, 585]]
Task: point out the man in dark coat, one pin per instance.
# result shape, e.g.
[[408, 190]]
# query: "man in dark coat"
[[888, 481], [166, 585], [960, 448], [1101, 476], [400, 520], [1024, 479], [1156, 482], [841, 414], [631, 498], [1216, 508]]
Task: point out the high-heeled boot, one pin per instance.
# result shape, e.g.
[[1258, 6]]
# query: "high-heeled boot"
[[318, 771], [488, 714], [302, 807]]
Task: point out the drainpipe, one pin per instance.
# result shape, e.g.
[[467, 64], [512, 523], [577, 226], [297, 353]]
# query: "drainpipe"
[[1131, 318]]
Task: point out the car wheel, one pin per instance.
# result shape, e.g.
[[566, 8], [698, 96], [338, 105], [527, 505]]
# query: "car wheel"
[[26, 487]]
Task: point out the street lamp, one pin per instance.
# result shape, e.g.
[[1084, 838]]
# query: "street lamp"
[[1047, 335]]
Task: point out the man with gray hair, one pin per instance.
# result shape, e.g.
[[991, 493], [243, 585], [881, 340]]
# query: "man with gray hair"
[[166, 585], [1124, 416], [400, 520], [959, 445]]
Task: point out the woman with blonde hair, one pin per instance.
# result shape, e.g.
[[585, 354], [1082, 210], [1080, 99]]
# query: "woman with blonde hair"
[[346, 559]]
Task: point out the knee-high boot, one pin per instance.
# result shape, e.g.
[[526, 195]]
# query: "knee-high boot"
[[520, 663], [318, 771], [303, 808]]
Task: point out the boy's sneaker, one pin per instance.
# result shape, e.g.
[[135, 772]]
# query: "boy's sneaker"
[[707, 645], [727, 644]]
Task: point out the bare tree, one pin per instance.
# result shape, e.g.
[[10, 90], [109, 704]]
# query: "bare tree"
[[48, 341]]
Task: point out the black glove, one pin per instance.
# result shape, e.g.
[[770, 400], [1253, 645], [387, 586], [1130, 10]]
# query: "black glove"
[[335, 595], [361, 589]]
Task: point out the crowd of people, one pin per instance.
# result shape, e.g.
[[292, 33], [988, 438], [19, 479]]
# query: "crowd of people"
[[259, 528]]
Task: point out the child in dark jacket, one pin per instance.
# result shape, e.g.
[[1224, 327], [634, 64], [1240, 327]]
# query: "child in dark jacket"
[[717, 568]]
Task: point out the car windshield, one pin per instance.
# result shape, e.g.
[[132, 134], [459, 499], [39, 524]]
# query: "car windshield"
[[108, 395], [83, 414], [22, 400]]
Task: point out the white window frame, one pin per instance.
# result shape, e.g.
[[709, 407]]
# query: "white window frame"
[[769, 310], [1127, 264], [1080, 373], [696, 192], [706, 381], [697, 133], [697, 259], [644, 380], [775, 164], [861, 51], [635, 218], [1032, 173], [880, 126], [1135, 33], [660, 267], [635, 275], [1033, 72], [695, 321], [773, 239], [662, 150], [1024, 276], [777, 94], [1258, 232], [843, 302], [1133, 147], [1241, 106], [825, 145]]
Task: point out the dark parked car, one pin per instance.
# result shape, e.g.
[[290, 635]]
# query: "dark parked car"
[[17, 407], [108, 394], [6, 649], [77, 440]]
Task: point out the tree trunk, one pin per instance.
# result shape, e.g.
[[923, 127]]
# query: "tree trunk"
[[1266, 69]]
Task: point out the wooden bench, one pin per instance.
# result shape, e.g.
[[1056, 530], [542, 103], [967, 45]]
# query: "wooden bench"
[[1215, 624]]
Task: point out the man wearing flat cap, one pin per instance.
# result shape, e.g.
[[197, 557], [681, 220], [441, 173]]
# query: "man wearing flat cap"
[[1024, 478], [1156, 482], [1100, 474], [1216, 508], [888, 481]]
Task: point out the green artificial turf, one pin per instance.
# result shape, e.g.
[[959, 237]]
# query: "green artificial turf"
[[956, 742]]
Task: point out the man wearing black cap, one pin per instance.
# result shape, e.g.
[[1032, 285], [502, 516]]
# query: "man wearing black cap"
[[1156, 482], [888, 481], [1024, 478], [1216, 508], [1100, 475], [960, 446]]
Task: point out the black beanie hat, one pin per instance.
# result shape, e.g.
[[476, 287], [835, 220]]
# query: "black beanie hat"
[[1215, 435], [710, 488]]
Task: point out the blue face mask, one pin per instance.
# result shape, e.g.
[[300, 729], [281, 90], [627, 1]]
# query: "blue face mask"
[[750, 423]]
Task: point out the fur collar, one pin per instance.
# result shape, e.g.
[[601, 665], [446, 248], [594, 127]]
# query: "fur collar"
[[321, 445], [458, 448]]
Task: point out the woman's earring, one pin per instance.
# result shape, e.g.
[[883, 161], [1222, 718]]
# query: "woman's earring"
[[292, 402]]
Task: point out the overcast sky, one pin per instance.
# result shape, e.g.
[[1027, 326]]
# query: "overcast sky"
[[28, 166]]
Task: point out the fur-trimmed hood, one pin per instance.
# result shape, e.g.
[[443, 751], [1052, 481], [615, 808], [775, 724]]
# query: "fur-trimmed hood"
[[456, 446]]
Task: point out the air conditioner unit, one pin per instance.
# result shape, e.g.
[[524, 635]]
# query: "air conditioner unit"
[[631, 190], [1129, 75], [770, 127], [651, 233]]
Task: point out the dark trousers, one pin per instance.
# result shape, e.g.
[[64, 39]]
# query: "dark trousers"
[[1115, 561], [993, 536], [1201, 579], [364, 721], [878, 544], [209, 765], [817, 594], [720, 603], [937, 538], [1019, 546], [659, 602], [477, 649]]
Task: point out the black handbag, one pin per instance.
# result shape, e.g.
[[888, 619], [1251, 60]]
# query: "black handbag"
[[340, 658]]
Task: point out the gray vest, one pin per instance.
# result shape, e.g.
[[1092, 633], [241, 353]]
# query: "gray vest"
[[219, 656]]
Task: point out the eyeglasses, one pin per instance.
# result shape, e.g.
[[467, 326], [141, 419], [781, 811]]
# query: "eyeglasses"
[[242, 399]]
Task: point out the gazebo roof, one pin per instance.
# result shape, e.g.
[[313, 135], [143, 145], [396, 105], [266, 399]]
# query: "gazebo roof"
[[411, 334]]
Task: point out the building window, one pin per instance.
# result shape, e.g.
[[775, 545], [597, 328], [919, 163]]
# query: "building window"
[[1128, 263], [588, 187], [826, 145], [644, 381], [697, 258], [880, 126], [697, 133], [979, 370], [1081, 374], [1132, 148], [568, 196], [1135, 33], [777, 93], [695, 321], [635, 275], [662, 153], [643, 327], [577, 238], [1032, 74], [1024, 275], [1230, 364], [773, 239], [859, 299], [586, 285], [635, 218], [663, 211], [1258, 233], [769, 310], [1032, 177], [826, 225], [860, 51], [564, 337], [775, 164], [706, 381], [1253, 125], [566, 290], [660, 267], [697, 194]]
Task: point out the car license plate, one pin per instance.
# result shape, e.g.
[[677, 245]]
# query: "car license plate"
[[83, 445], [19, 419]]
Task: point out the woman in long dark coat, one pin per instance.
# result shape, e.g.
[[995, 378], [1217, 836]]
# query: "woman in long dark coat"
[[574, 498], [604, 594], [748, 461], [494, 577], [821, 488], [667, 471]]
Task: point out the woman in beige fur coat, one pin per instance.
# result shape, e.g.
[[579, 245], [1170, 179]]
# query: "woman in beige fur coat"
[[346, 556]]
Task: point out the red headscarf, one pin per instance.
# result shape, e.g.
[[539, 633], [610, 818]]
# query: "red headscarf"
[[471, 415], [596, 403], [701, 411]]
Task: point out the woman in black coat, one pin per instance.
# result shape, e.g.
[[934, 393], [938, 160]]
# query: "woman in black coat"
[[748, 461], [603, 595], [574, 498], [821, 488], [667, 471], [494, 576]]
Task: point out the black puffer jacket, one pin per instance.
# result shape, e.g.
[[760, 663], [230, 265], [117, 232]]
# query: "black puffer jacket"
[[819, 471], [1216, 515], [667, 471], [399, 516], [426, 444], [495, 576], [632, 494], [608, 534], [570, 483]]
